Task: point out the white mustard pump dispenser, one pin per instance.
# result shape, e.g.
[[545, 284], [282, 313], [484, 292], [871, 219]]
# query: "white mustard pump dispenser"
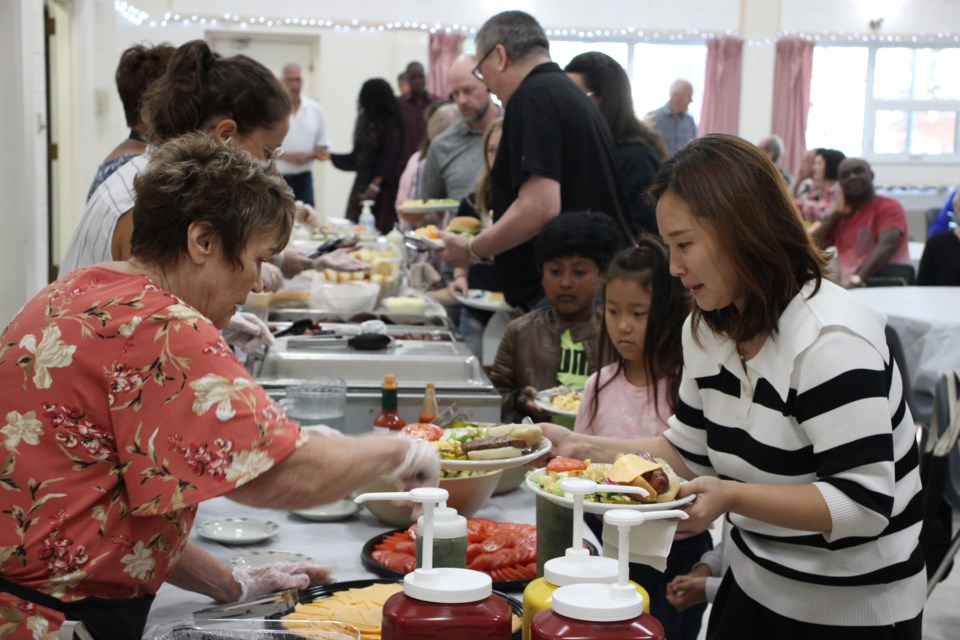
[[576, 566], [592, 611], [441, 603], [367, 219]]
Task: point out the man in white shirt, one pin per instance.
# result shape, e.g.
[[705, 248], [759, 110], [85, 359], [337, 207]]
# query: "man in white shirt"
[[306, 140]]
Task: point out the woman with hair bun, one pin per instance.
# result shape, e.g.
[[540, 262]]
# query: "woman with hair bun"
[[234, 97]]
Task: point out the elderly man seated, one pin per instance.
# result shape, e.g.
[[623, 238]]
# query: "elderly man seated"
[[868, 231]]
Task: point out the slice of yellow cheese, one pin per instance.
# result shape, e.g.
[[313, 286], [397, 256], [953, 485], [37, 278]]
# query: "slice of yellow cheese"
[[629, 466]]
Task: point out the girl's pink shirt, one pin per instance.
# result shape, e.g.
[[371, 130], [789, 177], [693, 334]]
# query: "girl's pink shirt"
[[624, 411]]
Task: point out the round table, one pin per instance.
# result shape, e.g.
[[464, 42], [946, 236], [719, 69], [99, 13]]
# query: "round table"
[[927, 320]]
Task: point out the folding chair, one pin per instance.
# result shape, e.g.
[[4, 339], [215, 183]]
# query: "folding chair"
[[940, 470], [893, 275], [920, 403]]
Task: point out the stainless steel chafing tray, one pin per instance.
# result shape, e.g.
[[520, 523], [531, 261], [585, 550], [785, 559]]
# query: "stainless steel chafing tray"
[[326, 317], [416, 356]]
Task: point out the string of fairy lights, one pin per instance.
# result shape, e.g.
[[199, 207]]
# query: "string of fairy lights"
[[141, 18]]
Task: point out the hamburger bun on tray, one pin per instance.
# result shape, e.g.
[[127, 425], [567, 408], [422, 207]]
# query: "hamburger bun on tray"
[[652, 474]]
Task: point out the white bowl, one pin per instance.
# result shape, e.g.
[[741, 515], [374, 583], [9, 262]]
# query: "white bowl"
[[467, 496], [349, 297], [511, 479]]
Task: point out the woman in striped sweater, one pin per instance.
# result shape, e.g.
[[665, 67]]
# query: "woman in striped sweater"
[[791, 418]]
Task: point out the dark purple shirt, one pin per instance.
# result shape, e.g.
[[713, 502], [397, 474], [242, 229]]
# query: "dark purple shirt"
[[415, 124]]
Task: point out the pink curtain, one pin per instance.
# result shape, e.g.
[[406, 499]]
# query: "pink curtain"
[[444, 48], [720, 112], [791, 98]]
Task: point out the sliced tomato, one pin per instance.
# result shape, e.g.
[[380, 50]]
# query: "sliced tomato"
[[501, 541], [407, 546], [422, 431], [402, 562], [473, 550], [561, 464]]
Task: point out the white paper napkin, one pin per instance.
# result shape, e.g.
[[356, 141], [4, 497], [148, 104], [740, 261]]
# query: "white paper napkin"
[[650, 542]]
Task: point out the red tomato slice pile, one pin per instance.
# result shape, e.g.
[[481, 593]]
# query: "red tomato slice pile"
[[504, 551]]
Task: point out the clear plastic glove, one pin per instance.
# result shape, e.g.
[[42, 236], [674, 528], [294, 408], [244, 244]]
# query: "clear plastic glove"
[[292, 262], [340, 260], [247, 331], [271, 276], [307, 215], [257, 581], [420, 467], [458, 285]]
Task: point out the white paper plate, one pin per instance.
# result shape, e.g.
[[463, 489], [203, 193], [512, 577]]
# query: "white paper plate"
[[493, 465], [428, 208], [238, 530], [543, 398], [431, 243], [329, 512], [260, 558], [602, 507], [479, 299]]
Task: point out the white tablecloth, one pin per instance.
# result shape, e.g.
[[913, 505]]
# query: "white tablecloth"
[[334, 544], [927, 319]]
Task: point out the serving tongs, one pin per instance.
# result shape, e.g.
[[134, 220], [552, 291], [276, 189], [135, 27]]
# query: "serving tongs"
[[270, 605], [332, 244], [452, 414]]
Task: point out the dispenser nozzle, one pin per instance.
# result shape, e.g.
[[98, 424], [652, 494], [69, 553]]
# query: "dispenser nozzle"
[[430, 498]]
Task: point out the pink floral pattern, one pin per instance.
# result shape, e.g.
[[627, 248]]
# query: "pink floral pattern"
[[120, 400]]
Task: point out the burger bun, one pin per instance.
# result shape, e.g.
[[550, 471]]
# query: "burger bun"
[[500, 453], [465, 226]]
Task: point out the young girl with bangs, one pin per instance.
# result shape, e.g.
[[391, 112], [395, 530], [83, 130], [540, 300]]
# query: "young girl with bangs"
[[635, 392]]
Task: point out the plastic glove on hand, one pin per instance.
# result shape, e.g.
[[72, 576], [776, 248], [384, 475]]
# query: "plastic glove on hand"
[[340, 260], [271, 276], [420, 467], [257, 581], [247, 331]]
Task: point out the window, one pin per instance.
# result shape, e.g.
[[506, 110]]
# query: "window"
[[656, 66], [563, 51], [910, 98]]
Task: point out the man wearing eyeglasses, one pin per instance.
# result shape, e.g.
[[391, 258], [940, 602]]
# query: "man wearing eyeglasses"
[[306, 139], [556, 155]]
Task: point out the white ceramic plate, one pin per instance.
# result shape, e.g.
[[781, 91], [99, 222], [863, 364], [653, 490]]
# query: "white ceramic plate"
[[543, 400], [261, 558], [434, 244], [480, 299], [601, 507], [428, 208], [493, 465], [329, 512], [238, 530]]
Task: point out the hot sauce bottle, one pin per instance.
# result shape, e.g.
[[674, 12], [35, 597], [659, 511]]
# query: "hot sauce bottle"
[[429, 411], [389, 421]]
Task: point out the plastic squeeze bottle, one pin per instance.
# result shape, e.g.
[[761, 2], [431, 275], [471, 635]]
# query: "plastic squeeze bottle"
[[389, 422], [593, 611], [441, 603], [367, 219], [576, 566], [449, 539]]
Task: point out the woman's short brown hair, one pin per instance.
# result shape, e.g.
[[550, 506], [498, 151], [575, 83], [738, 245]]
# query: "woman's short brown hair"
[[199, 178], [737, 192]]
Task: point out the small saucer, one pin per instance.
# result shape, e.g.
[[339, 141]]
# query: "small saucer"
[[252, 559], [238, 530], [329, 512]]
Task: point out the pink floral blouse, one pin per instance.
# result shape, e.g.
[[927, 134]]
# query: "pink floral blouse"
[[122, 409]]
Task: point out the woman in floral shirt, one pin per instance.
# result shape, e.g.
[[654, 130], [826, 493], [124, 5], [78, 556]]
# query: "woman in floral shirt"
[[125, 408]]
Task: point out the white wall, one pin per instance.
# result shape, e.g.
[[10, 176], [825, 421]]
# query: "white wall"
[[23, 243], [95, 35]]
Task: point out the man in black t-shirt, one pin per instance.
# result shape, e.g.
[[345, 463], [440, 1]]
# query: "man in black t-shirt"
[[556, 155]]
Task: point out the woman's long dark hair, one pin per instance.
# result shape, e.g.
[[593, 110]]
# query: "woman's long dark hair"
[[648, 264], [377, 106], [609, 84]]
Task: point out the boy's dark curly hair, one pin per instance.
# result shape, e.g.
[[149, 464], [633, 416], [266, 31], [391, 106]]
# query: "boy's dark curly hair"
[[588, 234]]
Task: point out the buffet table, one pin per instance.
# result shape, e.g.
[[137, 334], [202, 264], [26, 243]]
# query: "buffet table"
[[927, 320], [333, 544]]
